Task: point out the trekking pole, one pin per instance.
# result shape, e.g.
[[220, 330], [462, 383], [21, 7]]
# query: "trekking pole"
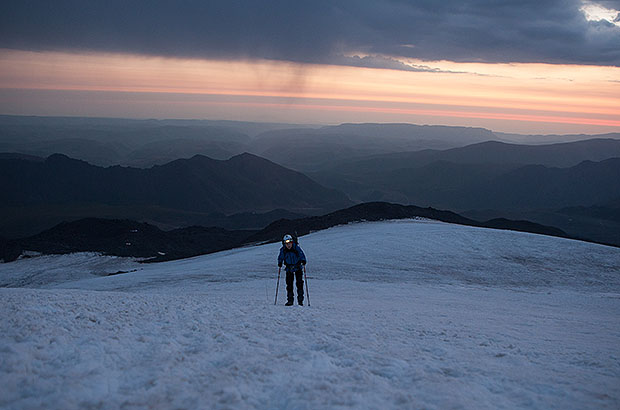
[[277, 287], [307, 291]]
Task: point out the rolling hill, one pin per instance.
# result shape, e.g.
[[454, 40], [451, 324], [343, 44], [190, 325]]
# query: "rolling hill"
[[131, 238]]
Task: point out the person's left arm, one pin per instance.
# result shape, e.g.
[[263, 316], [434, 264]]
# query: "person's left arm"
[[302, 255]]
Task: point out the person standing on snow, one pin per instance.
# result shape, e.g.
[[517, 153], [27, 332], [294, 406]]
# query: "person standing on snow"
[[295, 260]]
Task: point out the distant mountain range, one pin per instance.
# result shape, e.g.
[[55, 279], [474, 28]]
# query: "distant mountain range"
[[473, 171], [130, 238], [143, 143], [200, 185], [475, 175], [107, 142], [492, 186], [560, 155], [316, 149], [495, 179]]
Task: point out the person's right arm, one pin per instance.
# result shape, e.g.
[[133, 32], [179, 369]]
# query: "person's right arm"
[[281, 258]]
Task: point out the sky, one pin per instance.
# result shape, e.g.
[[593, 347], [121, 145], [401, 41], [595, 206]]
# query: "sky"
[[533, 67]]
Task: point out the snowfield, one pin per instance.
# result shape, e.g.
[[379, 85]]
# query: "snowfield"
[[404, 314]]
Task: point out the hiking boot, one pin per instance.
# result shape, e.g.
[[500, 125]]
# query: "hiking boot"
[[300, 302], [289, 303]]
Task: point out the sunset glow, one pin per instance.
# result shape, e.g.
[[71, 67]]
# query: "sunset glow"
[[526, 98]]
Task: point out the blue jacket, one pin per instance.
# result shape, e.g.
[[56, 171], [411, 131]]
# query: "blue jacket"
[[293, 258]]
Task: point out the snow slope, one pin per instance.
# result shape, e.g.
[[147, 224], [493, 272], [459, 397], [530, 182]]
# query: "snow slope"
[[404, 314]]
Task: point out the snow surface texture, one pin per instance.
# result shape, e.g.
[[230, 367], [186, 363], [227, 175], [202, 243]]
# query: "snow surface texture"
[[404, 314]]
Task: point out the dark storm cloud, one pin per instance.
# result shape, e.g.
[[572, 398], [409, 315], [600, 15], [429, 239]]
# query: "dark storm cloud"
[[318, 31], [609, 4]]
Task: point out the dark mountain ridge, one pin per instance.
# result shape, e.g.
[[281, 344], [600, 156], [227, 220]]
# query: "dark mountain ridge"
[[241, 184], [561, 155], [126, 238], [536, 186], [39, 194], [484, 186], [378, 211], [461, 178], [130, 238]]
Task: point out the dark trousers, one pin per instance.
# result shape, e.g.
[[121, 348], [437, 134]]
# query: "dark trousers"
[[290, 277]]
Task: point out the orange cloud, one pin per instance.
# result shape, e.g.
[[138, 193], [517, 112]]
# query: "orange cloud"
[[516, 93]]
